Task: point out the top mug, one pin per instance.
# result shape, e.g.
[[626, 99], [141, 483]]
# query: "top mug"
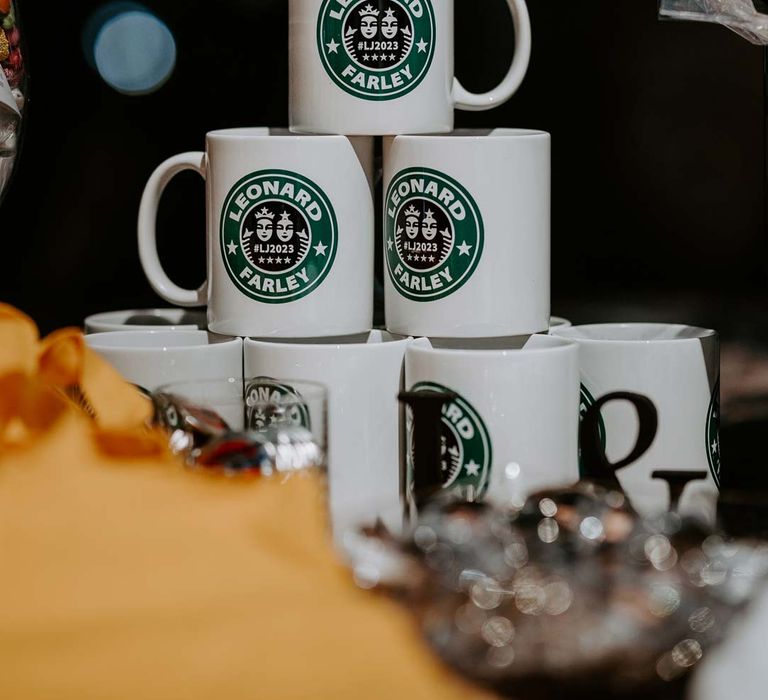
[[385, 67]]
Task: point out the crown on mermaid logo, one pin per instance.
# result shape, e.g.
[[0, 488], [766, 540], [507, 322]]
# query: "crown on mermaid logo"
[[265, 214], [412, 211], [285, 218], [390, 13], [429, 217], [368, 11]]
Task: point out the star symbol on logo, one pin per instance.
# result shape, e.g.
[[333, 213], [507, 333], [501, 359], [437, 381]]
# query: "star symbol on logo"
[[232, 248], [714, 446], [464, 248], [392, 57], [472, 468], [366, 57], [278, 260], [389, 243], [422, 46], [410, 257], [320, 249], [261, 260], [423, 258], [269, 260], [333, 46], [431, 258]]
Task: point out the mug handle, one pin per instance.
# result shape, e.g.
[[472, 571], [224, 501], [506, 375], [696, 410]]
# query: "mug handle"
[[473, 102], [147, 233], [594, 461]]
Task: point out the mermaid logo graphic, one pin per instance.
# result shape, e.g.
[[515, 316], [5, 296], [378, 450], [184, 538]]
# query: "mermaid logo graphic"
[[271, 403], [278, 236], [466, 452], [434, 234], [377, 50]]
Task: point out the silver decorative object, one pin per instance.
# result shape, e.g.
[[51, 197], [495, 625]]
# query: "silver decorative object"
[[573, 587]]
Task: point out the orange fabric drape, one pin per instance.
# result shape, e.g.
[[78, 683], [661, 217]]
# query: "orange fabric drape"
[[124, 576]]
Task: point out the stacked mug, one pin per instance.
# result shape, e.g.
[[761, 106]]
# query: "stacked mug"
[[290, 226], [466, 242]]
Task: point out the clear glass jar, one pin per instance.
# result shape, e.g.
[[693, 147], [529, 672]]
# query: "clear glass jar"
[[13, 88]]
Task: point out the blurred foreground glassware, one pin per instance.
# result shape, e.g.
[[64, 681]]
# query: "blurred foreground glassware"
[[572, 589], [291, 416], [261, 426], [13, 88]]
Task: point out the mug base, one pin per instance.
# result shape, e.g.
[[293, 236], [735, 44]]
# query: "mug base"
[[371, 130], [476, 332], [288, 332]]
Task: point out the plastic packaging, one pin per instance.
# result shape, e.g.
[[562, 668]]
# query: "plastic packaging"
[[748, 18]]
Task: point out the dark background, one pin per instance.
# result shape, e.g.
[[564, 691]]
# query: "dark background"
[[658, 207]]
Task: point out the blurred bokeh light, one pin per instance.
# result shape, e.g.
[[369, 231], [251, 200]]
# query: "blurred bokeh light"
[[132, 49]]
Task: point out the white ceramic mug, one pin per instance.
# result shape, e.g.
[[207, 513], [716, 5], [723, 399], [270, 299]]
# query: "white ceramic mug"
[[146, 320], [467, 233], [513, 427], [678, 368], [363, 375], [153, 358], [290, 234], [385, 66]]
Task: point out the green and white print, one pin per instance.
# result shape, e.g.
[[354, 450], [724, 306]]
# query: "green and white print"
[[271, 403], [433, 232], [466, 451], [376, 49], [586, 400], [278, 236], [713, 434]]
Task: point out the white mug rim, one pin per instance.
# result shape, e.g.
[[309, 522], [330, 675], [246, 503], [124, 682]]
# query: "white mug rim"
[[263, 133], [335, 344], [318, 391], [501, 135], [116, 320], [609, 336], [547, 345], [197, 341]]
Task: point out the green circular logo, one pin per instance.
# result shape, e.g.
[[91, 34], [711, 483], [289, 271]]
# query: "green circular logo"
[[278, 235], [268, 403], [466, 452], [585, 402], [376, 49], [713, 434], [434, 234]]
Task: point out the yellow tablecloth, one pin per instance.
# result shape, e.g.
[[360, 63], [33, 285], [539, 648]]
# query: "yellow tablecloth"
[[124, 576]]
